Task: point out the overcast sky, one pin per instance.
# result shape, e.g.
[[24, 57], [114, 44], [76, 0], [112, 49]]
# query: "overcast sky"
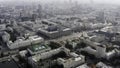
[[81, 1]]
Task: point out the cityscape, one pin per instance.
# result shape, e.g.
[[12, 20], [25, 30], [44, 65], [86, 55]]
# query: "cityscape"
[[59, 34]]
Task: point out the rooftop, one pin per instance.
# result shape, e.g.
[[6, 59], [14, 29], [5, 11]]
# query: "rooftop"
[[38, 47]]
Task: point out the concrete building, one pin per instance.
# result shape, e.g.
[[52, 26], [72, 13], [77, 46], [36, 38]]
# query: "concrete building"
[[36, 60], [53, 30], [102, 65], [38, 48], [83, 66], [2, 27], [99, 51], [23, 43], [71, 62], [5, 36], [56, 33]]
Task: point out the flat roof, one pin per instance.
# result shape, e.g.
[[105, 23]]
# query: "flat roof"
[[38, 47]]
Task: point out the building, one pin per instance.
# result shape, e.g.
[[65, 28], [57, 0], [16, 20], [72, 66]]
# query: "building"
[[53, 30], [83, 66], [37, 60], [23, 43], [99, 51], [5, 36], [50, 58], [2, 27], [72, 62], [38, 48], [102, 65]]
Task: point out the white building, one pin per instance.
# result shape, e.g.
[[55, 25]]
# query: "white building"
[[102, 65], [22, 43], [71, 62], [2, 26], [55, 34], [99, 51], [5, 37], [83, 66], [35, 60]]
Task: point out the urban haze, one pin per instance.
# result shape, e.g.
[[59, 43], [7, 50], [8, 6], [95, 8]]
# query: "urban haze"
[[59, 33]]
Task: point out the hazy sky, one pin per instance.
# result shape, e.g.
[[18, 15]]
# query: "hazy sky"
[[81, 1]]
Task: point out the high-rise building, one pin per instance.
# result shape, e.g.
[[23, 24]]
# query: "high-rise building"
[[39, 10]]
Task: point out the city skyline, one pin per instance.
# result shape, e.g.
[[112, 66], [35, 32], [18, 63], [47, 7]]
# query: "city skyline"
[[80, 1]]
